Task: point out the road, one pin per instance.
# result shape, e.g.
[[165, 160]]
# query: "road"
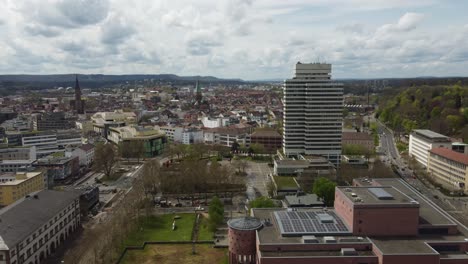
[[257, 179]]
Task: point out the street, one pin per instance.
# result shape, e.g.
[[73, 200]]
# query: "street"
[[257, 179]]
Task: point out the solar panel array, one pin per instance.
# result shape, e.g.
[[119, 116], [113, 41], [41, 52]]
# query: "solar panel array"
[[295, 223]]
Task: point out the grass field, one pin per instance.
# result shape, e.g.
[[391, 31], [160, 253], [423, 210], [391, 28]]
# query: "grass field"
[[285, 182], [204, 232], [176, 254], [159, 228]]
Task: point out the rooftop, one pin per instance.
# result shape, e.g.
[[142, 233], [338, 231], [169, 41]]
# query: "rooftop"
[[19, 177], [431, 134], [26, 215], [451, 155], [356, 136], [245, 223], [377, 195]]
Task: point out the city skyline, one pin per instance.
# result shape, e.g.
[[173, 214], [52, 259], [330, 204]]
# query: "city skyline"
[[234, 39]]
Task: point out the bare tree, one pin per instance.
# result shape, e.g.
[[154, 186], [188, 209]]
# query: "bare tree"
[[105, 158]]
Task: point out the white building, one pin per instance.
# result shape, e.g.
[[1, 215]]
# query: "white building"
[[423, 140], [45, 143], [29, 234], [192, 136], [17, 159], [215, 122], [173, 133], [313, 113], [85, 154]]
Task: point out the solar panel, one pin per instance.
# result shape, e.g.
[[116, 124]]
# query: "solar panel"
[[297, 223], [380, 193]]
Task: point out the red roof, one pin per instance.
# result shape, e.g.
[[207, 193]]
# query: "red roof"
[[451, 155]]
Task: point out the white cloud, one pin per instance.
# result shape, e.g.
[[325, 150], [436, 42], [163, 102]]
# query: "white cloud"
[[231, 38]]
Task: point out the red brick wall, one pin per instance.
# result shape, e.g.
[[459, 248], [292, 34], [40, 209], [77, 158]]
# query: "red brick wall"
[[344, 208], [242, 242], [322, 260], [386, 221]]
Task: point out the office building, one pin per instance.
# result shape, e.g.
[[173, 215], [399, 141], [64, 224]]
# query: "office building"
[[270, 139], [313, 113], [14, 186], [448, 167], [153, 140], [422, 140], [52, 121], [33, 227], [17, 159], [381, 221]]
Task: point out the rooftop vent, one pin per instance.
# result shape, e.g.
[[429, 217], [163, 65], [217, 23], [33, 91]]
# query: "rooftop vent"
[[353, 195], [351, 239], [348, 252], [309, 239], [380, 193], [325, 218], [357, 200], [329, 239], [348, 190]]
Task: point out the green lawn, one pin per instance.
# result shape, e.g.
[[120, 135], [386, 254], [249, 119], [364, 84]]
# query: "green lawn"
[[176, 254], [159, 228], [285, 182], [204, 232]]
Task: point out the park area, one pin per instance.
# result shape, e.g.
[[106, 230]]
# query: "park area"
[[176, 254], [159, 228]]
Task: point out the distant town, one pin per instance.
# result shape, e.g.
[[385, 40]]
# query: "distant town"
[[308, 170]]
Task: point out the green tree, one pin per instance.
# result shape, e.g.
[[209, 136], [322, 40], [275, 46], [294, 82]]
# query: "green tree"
[[216, 212], [325, 189], [262, 202]]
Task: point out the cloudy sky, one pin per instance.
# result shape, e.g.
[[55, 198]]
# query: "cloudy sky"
[[249, 39]]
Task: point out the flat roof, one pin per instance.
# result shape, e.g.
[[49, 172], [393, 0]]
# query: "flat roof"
[[430, 134], [271, 234], [381, 195], [428, 214], [451, 155], [402, 246], [307, 222], [26, 215]]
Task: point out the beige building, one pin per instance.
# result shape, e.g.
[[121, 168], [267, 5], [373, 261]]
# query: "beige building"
[[359, 138], [14, 186], [449, 168]]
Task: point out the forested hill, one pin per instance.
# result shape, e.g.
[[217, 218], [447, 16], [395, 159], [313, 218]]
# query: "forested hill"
[[443, 109]]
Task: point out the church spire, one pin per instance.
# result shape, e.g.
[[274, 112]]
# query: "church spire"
[[198, 96], [78, 103]]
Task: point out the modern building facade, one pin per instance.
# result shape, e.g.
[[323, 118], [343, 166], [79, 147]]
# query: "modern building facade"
[[153, 140], [14, 186], [449, 168], [380, 221], [29, 233], [52, 121], [422, 140], [270, 139], [359, 138], [313, 113]]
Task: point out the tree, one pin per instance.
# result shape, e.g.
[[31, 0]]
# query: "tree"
[[105, 158], [216, 212], [325, 189], [151, 178], [257, 148], [262, 202], [235, 147]]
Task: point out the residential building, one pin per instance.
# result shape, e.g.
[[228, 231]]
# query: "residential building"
[[449, 168], [313, 113], [153, 140], [423, 140], [359, 138], [215, 122], [14, 186], [380, 221], [85, 154], [35, 226], [270, 139]]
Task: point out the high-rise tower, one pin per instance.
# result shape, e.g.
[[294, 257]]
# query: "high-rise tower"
[[78, 103], [313, 113]]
